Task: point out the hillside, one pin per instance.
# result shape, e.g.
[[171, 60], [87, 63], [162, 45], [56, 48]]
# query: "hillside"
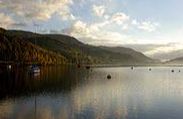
[[137, 55], [64, 49], [176, 61], [19, 50]]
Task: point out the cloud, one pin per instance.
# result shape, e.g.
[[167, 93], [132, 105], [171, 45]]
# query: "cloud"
[[163, 52], [98, 10], [165, 49], [6, 21], [146, 25], [109, 30], [80, 28], [107, 38], [37, 9], [67, 16], [104, 38], [120, 18], [95, 33]]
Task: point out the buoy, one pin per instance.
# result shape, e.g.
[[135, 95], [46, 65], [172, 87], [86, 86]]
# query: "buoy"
[[172, 70], [87, 67], [131, 68], [78, 65], [149, 69], [108, 76], [179, 70]]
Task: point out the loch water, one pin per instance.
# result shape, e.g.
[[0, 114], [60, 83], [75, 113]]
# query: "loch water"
[[64, 92]]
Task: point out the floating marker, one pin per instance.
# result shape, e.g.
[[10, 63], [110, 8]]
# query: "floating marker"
[[108, 76], [87, 67]]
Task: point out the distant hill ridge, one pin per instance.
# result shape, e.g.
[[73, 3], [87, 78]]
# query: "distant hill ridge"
[[19, 46], [176, 61]]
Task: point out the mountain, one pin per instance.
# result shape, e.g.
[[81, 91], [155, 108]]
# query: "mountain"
[[169, 55], [176, 61], [137, 55], [23, 46]]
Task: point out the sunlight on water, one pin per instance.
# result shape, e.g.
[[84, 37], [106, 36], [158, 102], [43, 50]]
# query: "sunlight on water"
[[70, 93]]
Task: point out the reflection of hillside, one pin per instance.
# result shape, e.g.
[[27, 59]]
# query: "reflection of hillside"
[[130, 94], [51, 79]]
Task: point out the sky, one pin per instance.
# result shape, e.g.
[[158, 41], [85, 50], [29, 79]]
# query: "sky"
[[153, 27]]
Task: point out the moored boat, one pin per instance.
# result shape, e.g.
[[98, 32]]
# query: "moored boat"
[[34, 69]]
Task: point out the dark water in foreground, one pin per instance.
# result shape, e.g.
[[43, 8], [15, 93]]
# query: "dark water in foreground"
[[70, 93]]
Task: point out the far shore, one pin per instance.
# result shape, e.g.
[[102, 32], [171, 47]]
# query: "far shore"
[[138, 65], [2, 63]]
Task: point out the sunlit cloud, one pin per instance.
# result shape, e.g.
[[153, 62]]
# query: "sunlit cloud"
[[93, 34], [37, 10], [6, 21]]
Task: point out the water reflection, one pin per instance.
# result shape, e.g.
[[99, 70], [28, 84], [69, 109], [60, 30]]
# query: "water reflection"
[[19, 81], [71, 93]]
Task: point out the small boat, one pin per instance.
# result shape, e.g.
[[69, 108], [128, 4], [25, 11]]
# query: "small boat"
[[34, 69]]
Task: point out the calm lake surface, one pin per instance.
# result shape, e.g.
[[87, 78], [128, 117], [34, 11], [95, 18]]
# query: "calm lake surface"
[[71, 93]]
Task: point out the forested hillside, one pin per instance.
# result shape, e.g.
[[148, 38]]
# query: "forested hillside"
[[28, 47], [19, 50]]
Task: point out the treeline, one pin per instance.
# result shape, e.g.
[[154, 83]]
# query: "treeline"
[[18, 50]]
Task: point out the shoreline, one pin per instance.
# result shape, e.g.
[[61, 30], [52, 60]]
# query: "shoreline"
[[2, 63]]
